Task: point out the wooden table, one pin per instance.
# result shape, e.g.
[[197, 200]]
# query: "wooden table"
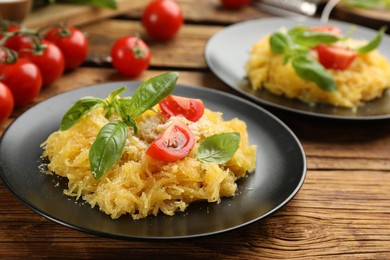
[[342, 210]]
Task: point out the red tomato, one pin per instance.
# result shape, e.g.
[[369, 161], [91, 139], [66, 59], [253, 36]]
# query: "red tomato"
[[47, 56], [335, 57], [326, 28], [162, 19], [24, 80], [15, 42], [72, 42], [174, 144], [190, 108], [234, 4], [6, 102], [130, 56]]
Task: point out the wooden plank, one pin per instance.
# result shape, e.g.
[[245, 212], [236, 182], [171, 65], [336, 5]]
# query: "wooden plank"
[[337, 213], [76, 14], [209, 11], [184, 50]]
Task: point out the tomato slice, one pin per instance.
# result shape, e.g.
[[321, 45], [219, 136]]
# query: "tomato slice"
[[174, 144], [190, 108], [335, 57], [326, 28]]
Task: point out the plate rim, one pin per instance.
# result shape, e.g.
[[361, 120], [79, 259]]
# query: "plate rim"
[[261, 101], [302, 175]]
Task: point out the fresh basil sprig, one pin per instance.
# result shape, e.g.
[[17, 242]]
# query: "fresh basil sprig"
[[108, 146], [309, 69], [218, 148], [374, 43], [306, 67], [151, 92], [82, 107]]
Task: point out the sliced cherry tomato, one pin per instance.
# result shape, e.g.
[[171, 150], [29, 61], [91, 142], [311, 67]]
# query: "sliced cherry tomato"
[[335, 57], [130, 56], [235, 4], [190, 108], [6, 102], [24, 80], [15, 42], [162, 19], [174, 144], [72, 42], [326, 28], [47, 56]]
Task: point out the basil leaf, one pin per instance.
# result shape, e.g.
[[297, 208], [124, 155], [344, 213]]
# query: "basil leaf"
[[311, 38], [107, 148], [78, 110], [280, 43], [374, 43], [151, 92], [110, 4], [113, 95], [218, 148], [309, 69]]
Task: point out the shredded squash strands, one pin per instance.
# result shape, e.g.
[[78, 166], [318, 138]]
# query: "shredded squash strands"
[[138, 185]]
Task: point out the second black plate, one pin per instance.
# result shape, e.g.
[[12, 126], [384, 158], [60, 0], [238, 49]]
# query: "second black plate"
[[227, 52]]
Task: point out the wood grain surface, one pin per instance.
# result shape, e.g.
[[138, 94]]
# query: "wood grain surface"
[[342, 210]]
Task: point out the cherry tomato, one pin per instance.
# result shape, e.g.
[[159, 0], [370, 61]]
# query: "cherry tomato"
[[6, 102], [72, 42], [190, 108], [15, 42], [174, 144], [24, 80], [47, 56], [335, 57], [162, 19], [234, 4], [130, 56], [326, 28]]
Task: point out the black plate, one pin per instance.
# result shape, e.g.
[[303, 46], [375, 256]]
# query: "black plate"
[[227, 52], [280, 171]]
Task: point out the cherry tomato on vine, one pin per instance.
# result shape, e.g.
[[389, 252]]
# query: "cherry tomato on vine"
[[72, 42], [174, 144], [3, 57], [162, 19], [47, 56], [24, 80], [15, 42], [234, 4], [6, 102], [335, 57], [130, 56], [190, 108]]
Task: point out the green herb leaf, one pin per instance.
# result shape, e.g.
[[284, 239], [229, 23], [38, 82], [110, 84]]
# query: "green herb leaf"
[[111, 4], [312, 38], [151, 92], [309, 69], [280, 43], [110, 105], [374, 43], [107, 148], [78, 110], [218, 148]]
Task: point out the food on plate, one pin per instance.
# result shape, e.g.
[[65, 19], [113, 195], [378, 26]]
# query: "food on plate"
[[319, 65], [125, 156]]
